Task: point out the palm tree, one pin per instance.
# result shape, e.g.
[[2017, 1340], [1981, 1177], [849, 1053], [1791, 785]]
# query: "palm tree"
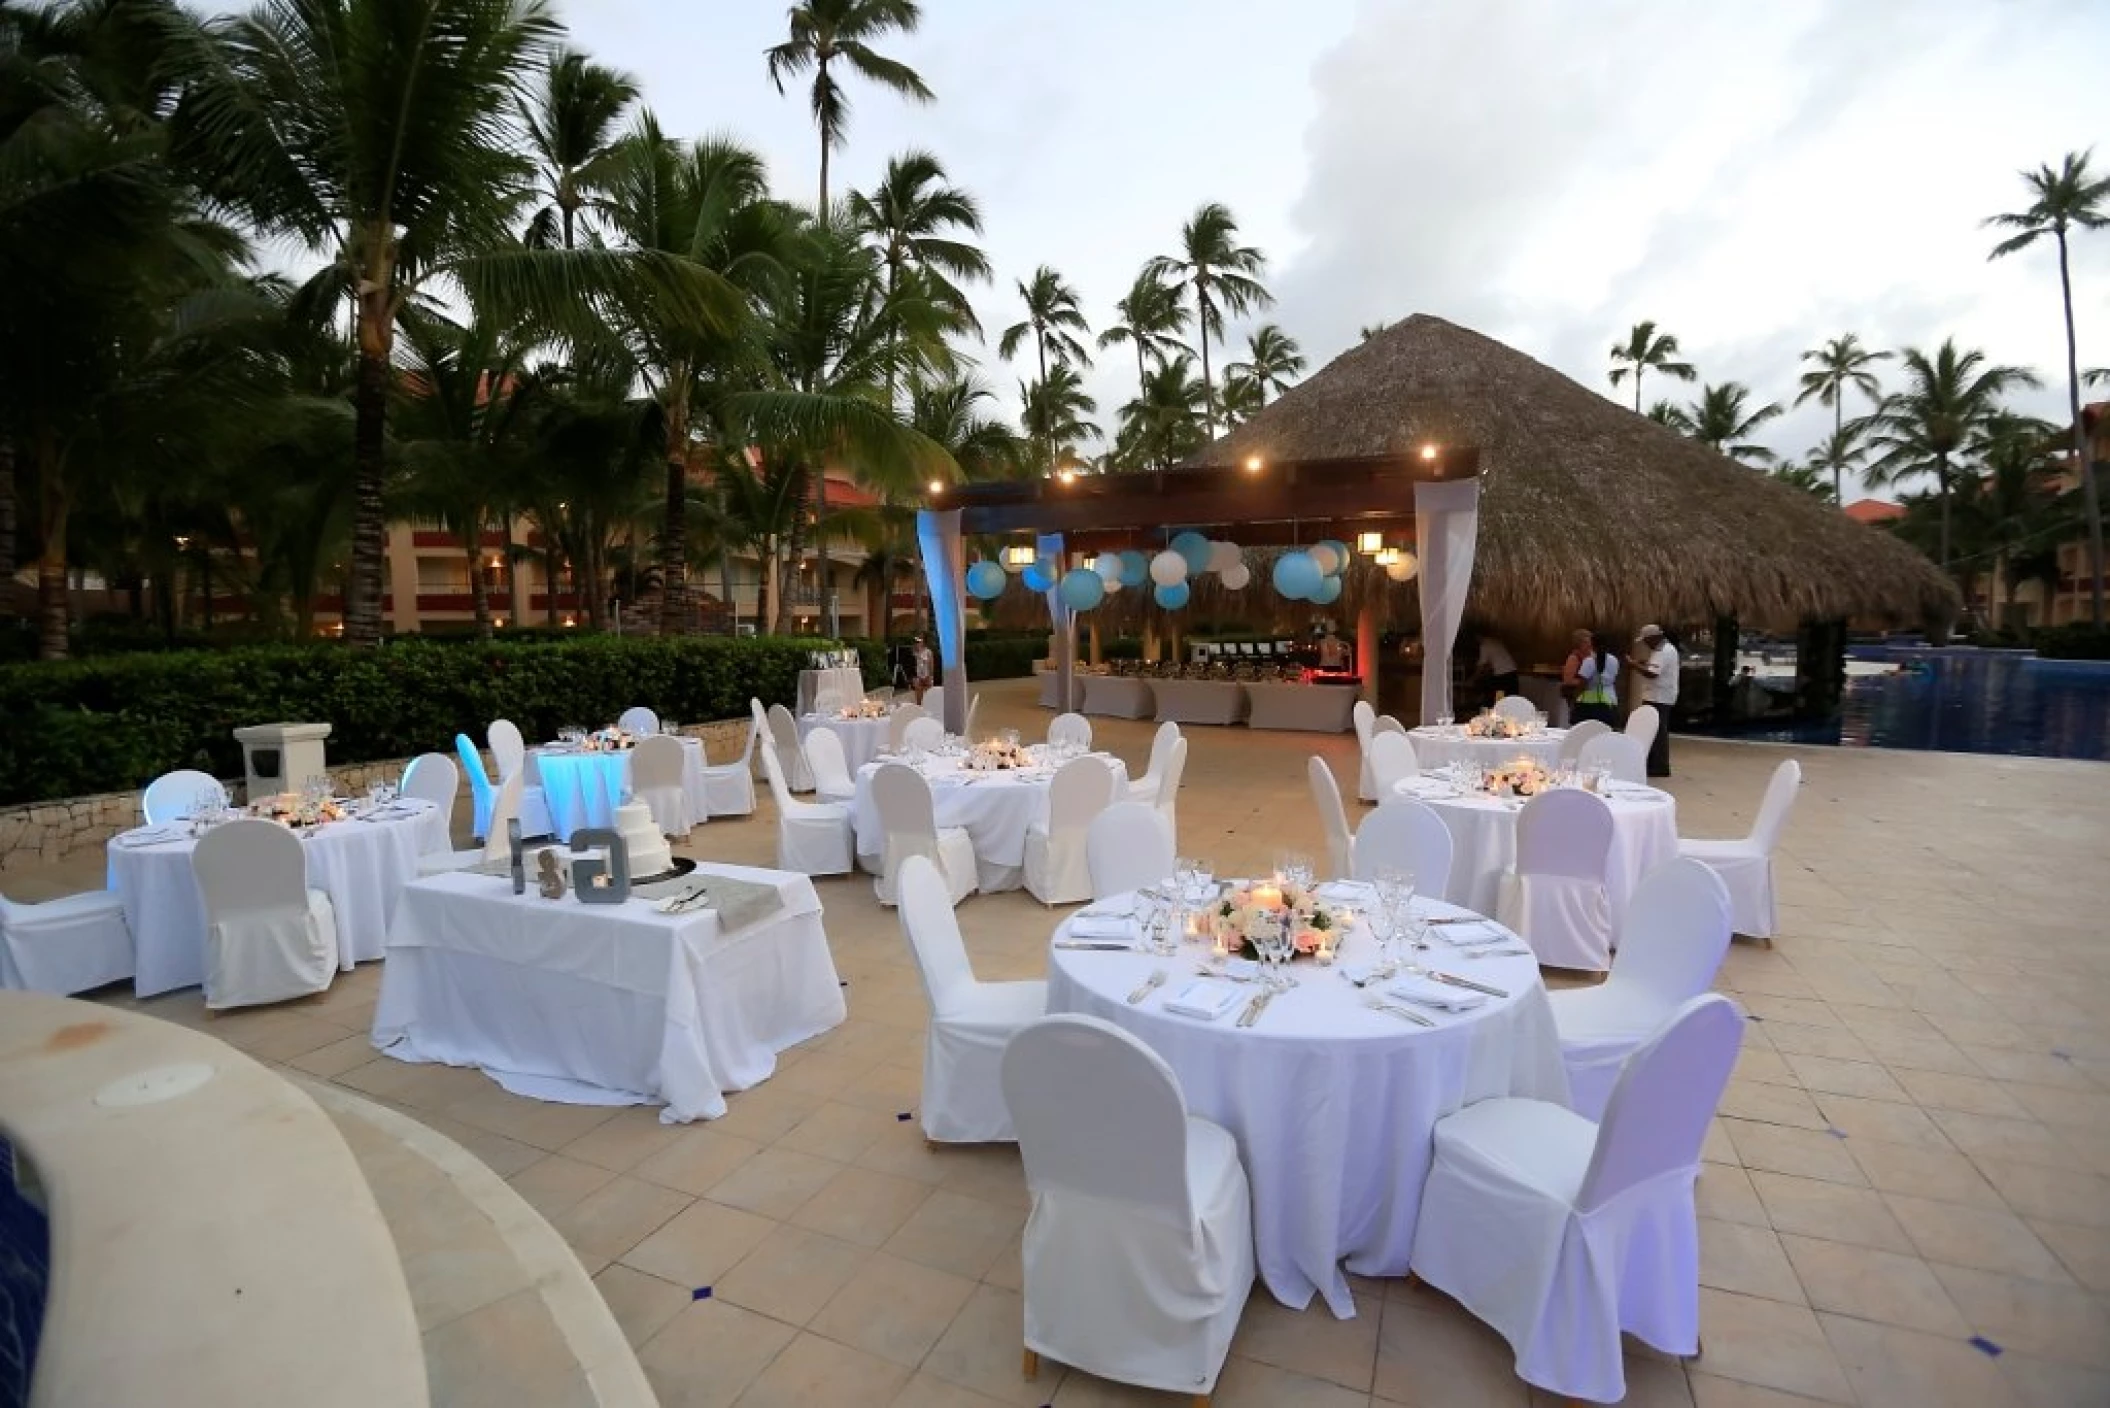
[[1052, 313], [1273, 360], [570, 128], [1055, 414], [949, 414], [1370, 330], [1840, 452], [1647, 350], [1670, 415], [1163, 424], [2010, 508], [1723, 421], [1152, 319], [1809, 478], [918, 223], [1839, 366], [1241, 400], [1224, 277], [1949, 399], [2069, 199], [823, 31]]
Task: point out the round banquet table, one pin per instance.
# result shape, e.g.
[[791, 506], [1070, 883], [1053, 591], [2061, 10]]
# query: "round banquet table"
[[361, 865], [1484, 838], [995, 808], [863, 739], [1440, 745], [584, 788], [1333, 1105]]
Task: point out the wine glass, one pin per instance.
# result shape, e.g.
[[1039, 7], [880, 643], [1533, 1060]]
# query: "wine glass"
[[1297, 869], [1182, 874], [1204, 879]]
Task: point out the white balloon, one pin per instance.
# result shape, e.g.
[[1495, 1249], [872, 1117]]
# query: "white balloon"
[[1108, 566], [1404, 568], [1168, 568], [1236, 576], [1329, 562], [1223, 557]]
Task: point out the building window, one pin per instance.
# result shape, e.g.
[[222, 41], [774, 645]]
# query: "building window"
[[443, 575]]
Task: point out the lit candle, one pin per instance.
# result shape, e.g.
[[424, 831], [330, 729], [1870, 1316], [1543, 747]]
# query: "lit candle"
[[1267, 896]]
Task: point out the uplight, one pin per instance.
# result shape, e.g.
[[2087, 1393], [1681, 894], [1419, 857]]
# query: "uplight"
[[937, 486], [1428, 452], [1252, 464], [1067, 476]]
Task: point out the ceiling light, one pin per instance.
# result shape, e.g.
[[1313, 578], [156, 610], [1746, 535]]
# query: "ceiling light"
[[1370, 543]]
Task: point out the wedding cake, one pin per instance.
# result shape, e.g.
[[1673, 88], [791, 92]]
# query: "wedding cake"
[[649, 853]]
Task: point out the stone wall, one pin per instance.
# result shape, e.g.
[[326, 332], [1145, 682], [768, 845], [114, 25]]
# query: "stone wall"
[[45, 833]]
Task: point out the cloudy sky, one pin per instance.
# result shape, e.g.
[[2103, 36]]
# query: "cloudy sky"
[[1755, 177]]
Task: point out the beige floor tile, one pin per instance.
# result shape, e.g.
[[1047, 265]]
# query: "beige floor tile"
[[1769, 1343], [641, 1304], [1923, 1173], [617, 1216], [1922, 1053], [1859, 1117], [1802, 1152], [775, 1182], [1713, 1391], [2036, 1067], [791, 1274], [1441, 1355], [1082, 1390], [697, 1160], [1794, 1038], [707, 1355], [1826, 1075], [335, 1059], [893, 1308], [553, 1184], [906, 1154], [982, 1348], [838, 1132], [2083, 1251], [861, 1206], [502, 1355], [991, 1172], [2047, 1383], [1988, 1239], [1888, 1365], [1311, 1341], [1747, 1260], [1970, 1095], [765, 1113], [925, 1391], [1247, 1383], [2059, 1322], [2060, 1106], [821, 1073], [1890, 1287], [1768, 1067], [699, 1244], [956, 1233], [1771, 1104], [2057, 1194], [542, 1123], [1724, 1191], [1812, 1207], [622, 1143]]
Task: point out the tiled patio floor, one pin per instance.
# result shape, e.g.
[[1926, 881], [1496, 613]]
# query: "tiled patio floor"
[[1906, 1201]]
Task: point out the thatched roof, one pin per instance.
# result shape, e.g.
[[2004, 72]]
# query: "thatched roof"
[[1590, 514]]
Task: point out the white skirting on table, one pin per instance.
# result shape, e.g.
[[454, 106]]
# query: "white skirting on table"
[[1118, 696], [1310, 708], [1199, 701]]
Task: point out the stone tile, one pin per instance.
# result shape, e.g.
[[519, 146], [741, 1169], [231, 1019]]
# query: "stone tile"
[[1713, 1391], [707, 1355], [1988, 1239], [699, 1244], [838, 1132], [2057, 1194], [1970, 1095], [2058, 1322], [624, 1142], [1925, 1173], [791, 1274], [991, 1172], [775, 1182], [2036, 1067], [1827, 1075], [1812, 1207], [1248, 1383], [1311, 1341], [1923, 1053], [1886, 1120], [1442, 1356], [641, 1304], [2084, 1251], [697, 1160], [1771, 1104], [2025, 1140], [1874, 1285], [982, 1348], [1724, 1191], [503, 1354], [542, 1123], [956, 1233], [553, 1184], [1769, 1343], [2046, 1383], [617, 1216], [336, 1058], [861, 1206], [765, 1113], [1748, 1260], [905, 1154], [2061, 1106], [1886, 1365], [924, 1391], [1802, 1152], [893, 1308]]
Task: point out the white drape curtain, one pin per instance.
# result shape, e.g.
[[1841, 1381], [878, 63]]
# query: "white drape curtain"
[[1446, 530], [945, 572]]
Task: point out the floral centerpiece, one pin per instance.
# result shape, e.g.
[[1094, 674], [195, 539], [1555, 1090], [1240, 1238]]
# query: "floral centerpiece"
[[1520, 778], [1493, 725], [1314, 927], [998, 755], [608, 740], [862, 709], [297, 809]]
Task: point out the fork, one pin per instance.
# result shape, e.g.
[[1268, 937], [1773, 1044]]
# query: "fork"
[[1150, 985], [1378, 1004], [1499, 953]]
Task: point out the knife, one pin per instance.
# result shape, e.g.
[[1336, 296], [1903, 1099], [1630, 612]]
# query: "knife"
[[1150, 985], [1097, 945], [1457, 982]]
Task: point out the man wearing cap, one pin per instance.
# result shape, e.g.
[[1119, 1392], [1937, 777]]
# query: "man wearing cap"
[[1655, 663]]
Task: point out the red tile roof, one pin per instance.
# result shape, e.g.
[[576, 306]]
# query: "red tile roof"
[[1874, 511]]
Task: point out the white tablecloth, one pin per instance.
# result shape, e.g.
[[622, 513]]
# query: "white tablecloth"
[[1333, 1105], [1484, 839], [604, 1004], [1440, 745], [584, 789], [1199, 701], [994, 807], [863, 739], [361, 865], [1051, 686], [848, 681], [1313, 708], [1118, 696]]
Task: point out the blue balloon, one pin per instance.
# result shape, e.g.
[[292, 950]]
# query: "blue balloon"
[[1340, 553], [1296, 575], [985, 579], [1195, 548], [1040, 576], [1328, 591], [1172, 597], [1082, 589], [1135, 568]]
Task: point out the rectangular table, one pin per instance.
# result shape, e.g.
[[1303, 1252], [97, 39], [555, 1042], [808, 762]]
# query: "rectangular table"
[[1118, 696], [605, 1004], [1199, 701], [1051, 689], [1313, 708], [845, 680]]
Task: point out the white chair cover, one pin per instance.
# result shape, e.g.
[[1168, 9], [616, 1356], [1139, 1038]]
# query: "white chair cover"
[[813, 838], [909, 820], [1365, 729], [508, 748], [64, 946], [638, 719], [1070, 728], [1386, 724], [1056, 868], [898, 722], [175, 795], [1560, 1233], [1391, 761], [1128, 846], [1138, 1254], [433, 777], [268, 936], [480, 792], [1627, 759], [1556, 897], [1579, 735], [729, 788], [1746, 864], [797, 776], [1145, 788], [1333, 819], [1516, 706], [1169, 787], [831, 769], [925, 733], [1670, 946], [497, 845], [656, 767], [509, 751], [1641, 726], [970, 1021], [1403, 834]]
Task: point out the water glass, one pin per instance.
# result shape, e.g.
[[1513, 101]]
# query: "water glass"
[[1183, 874], [1204, 878], [1297, 869]]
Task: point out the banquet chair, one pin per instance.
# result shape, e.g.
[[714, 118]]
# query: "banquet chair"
[[1169, 787], [925, 733], [970, 1021], [1579, 736], [1641, 726], [830, 766], [656, 768], [785, 733], [509, 751], [813, 838], [496, 844], [1392, 762], [1138, 1254], [1127, 846], [433, 777], [638, 720], [1057, 871], [1746, 863], [268, 937], [909, 821], [729, 787], [1626, 759], [1409, 836], [1333, 819], [1365, 729], [1670, 946], [1556, 896], [1070, 728], [1562, 1234], [64, 946], [1145, 788], [1516, 706], [480, 790], [174, 795], [898, 722]]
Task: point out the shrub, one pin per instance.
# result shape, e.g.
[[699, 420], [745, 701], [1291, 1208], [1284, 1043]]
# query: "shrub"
[[2077, 640]]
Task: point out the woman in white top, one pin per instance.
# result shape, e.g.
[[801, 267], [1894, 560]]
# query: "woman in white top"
[[1598, 673]]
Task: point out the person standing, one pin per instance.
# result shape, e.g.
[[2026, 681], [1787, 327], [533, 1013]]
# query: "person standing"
[[1655, 660], [925, 667], [1597, 673], [1498, 667]]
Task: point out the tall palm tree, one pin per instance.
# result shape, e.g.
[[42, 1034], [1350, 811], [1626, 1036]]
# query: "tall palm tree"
[[1841, 451], [1723, 420], [1809, 478], [1241, 401], [1949, 398], [1053, 318], [1224, 277], [2009, 508], [1273, 360], [950, 414], [1370, 330], [1056, 415], [823, 31], [1647, 350], [2069, 199], [1152, 319], [571, 126], [1671, 415], [919, 224], [1839, 366], [1163, 424]]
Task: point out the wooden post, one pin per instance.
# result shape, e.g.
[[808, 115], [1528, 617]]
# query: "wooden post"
[[1366, 661]]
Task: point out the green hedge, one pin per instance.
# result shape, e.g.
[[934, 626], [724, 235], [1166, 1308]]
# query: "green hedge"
[[112, 723], [1003, 657], [2076, 641]]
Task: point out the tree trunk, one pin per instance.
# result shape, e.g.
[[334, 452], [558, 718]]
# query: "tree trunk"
[[822, 573], [1838, 429], [1941, 471], [205, 583], [7, 508], [2089, 502], [52, 603], [1201, 324], [479, 593], [674, 535], [879, 599], [362, 600], [1637, 388], [549, 579]]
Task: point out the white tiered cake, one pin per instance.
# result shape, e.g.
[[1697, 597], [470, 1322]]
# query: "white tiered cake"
[[649, 853]]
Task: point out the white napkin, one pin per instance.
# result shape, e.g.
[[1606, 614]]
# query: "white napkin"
[[1346, 891], [1119, 907], [150, 836], [1204, 998], [1441, 996], [1428, 787], [1102, 926]]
